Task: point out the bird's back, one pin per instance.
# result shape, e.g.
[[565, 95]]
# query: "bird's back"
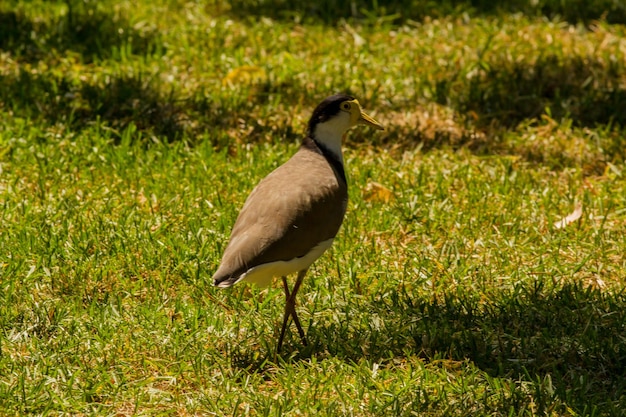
[[296, 207]]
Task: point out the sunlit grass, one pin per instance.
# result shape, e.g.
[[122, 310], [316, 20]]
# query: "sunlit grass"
[[125, 156]]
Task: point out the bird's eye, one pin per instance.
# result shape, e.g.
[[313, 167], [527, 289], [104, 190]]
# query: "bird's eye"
[[345, 106]]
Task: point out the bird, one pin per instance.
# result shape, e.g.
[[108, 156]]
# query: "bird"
[[293, 214]]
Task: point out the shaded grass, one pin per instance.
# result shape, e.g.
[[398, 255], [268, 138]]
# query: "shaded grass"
[[118, 102], [330, 12], [579, 88], [82, 27], [571, 336]]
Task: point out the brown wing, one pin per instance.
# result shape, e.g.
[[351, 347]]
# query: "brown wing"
[[297, 206]]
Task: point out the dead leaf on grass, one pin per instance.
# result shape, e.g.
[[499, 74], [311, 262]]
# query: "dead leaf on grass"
[[375, 191], [570, 218], [246, 74]]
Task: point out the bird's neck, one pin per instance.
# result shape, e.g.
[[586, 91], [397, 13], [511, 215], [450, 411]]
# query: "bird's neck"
[[334, 159], [330, 140]]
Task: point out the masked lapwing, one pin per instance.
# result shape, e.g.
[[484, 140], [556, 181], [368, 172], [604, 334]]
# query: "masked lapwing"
[[292, 216]]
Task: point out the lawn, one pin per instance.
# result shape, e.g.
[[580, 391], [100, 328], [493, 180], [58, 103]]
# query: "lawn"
[[481, 267]]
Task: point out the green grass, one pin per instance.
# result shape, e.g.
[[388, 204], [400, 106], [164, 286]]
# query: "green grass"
[[129, 142]]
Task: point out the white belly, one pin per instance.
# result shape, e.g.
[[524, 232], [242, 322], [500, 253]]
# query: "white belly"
[[262, 275]]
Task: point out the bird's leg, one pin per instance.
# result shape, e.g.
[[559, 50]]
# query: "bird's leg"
[[290, 309], [286, 315], [285, 287], [292, 299]]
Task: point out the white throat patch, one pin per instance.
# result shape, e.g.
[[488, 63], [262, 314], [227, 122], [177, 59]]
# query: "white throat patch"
[[330, 133]]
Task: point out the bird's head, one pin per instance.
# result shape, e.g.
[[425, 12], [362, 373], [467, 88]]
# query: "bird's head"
[[333, 117]]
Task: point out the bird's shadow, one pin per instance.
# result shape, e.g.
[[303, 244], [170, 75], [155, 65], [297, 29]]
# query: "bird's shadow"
[[573, 333]]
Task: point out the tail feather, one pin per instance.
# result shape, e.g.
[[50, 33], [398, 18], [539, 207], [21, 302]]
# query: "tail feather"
[[225, 281]]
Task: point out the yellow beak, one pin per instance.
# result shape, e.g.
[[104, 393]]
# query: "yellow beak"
[[360, 118], [365, 119]]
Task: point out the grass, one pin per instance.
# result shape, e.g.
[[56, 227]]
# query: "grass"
[[130, 141]]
